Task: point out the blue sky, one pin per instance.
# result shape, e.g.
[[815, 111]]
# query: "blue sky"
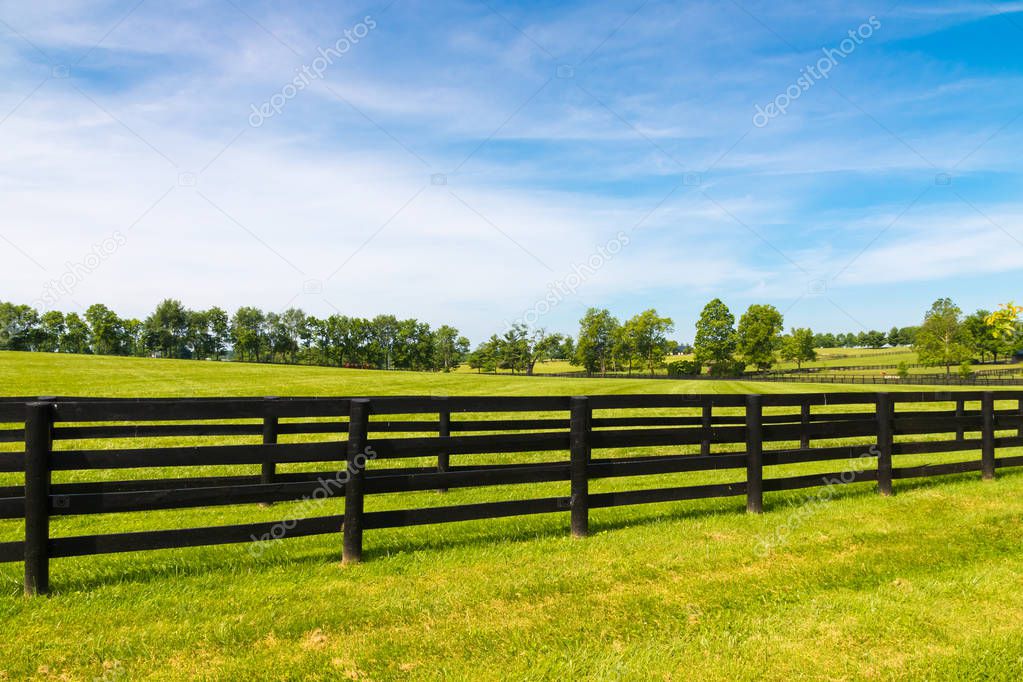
[[459, 162]]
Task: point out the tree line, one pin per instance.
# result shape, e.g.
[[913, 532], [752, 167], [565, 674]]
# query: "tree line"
[[604, 344], [250, 334]]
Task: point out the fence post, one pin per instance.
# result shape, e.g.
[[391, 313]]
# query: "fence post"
[[804, 416], [580, 456], [960, 412], [266, 474], [885, 442], [38, 445], [705, 422], [444, 430], [754, 454], [987, 457], [358, 426]]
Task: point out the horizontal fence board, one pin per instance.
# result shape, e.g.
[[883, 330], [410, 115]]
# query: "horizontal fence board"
[[504, 425], [464, 512], [12, 462], [819, 480], [12, 551], [210, 455], [191, 537], [800, 456], [187, 498], [199, 409], [155, 431], [820, 430], [12, 435], [1008, 462], [935, 469], [12, 507], [934, 425], [656, 495], [928, 447], [654, 437], [421, 405], [629, 402], [475, 477], [663, 464], [395, 448]]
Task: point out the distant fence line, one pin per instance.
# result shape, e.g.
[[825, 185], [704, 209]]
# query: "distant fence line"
[[770, 430], [1006, 370], [814, 378]]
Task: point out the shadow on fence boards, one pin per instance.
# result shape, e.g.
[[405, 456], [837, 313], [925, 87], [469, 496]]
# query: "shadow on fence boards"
[[394, 445]]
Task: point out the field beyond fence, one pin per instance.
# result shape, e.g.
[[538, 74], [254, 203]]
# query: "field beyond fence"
[[290, 449]]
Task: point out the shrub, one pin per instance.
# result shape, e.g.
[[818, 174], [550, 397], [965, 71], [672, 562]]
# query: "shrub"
[[966, 370], [685, 368], [728, 368]]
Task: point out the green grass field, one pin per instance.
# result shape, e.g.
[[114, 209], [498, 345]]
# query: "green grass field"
[[853, 586]]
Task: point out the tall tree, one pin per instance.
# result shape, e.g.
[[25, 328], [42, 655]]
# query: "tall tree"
[[982, 336], [248, 333], [167, 329], [220, 331], [798, 347], [76, 335], [51, 329], [593, 350], [942, 339], [648, 332], [450, 348], [716, 338], [134, 337], [19, 327], [384, 331], [107, 330], [759, 335]]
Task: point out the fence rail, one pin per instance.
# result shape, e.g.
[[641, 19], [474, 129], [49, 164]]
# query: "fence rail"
[[360, 447]]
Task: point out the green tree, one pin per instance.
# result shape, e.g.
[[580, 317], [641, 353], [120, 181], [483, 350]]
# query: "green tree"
[[197, 334], [51, 329], [485, 357], [873, 339], [895, 337], [983, 336], [623, 350], [716, 339], [107, 330], [414, 346], [966, 370], [942, 339], [19, 327], [594, 349], [384, 332], [248, 333], [220, 331], [76, 335], [134, 337], [798, 347], [759, 335], [648, 334], [166, 329], [450, 347]]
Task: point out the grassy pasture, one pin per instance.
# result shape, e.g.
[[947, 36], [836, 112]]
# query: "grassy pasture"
[[853, 585]]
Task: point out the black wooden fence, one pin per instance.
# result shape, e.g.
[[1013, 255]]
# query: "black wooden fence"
[[360, 444]]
